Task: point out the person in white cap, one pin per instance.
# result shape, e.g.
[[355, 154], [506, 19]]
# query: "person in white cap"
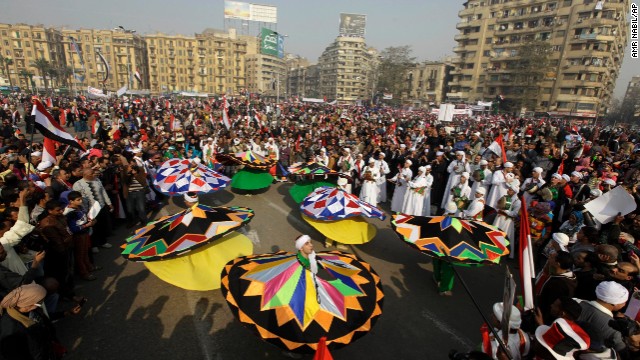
[[209, 152], [414, 197], [401, 179], [460, 191], [505, 220], [475, 209], [560, 340], [455, 170], [579, 189], [485, 175], [343, 184], [322, 158], [426, 205], [611, 297], [306, 256], [383, 169], [519, 342], [500, 181], [369, 191], [191, 199], [534, 183], [345, 162], [358, 167]]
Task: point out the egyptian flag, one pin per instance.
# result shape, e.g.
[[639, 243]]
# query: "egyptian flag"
[[49, 151], [172, 122], [225, 114], [497, 147], [137, 76], [49, 103], [95, 125], [63, 117], [49, 127], [167, 104], [17, 132]]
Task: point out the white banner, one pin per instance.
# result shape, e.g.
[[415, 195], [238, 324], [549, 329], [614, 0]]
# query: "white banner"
[[606, 207], [121, 91], [485, 104], [95, 93]]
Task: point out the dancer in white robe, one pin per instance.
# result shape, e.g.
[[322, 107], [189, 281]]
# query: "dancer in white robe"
[[401, 179], [343, 184], [500, 181], [426, 207], [414, 198], [476, 208], [383, 169], [536, 181], [369, 191], [464, 191], [486, 182], [505, 219], [455, 169]]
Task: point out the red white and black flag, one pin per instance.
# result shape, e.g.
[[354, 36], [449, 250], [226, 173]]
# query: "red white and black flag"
[[49, 127]]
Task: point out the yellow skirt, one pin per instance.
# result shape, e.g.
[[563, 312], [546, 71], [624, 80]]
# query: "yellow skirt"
[[200, 270], [352, 231]]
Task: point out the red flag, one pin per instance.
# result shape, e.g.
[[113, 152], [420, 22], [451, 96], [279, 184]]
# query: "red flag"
[[225, 114], [561, 167], [167, 104], [497, 147], [63, 117], [49, 127], [322, 352], [49, 151], [49, 103], [527, 269], [298, 142], [94, 125], [17, 132], [172, 122]]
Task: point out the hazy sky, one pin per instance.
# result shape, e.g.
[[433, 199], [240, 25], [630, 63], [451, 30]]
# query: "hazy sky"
[[428, 26]]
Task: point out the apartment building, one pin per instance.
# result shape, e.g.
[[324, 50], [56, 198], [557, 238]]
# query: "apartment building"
[[347, 70], [426, 83], [586, 42], [220, 64], [631, 103], [23, 45], [172, 63]]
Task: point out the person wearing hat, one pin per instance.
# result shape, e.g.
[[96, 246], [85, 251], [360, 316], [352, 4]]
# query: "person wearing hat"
[[413, 203], [560, 340], [383, 169], [611, 297], [455, 170], [426, 205], [500, 182], [531, 185], [401, 179], [322, 158], [191, 199], [476, 207], [306, 256], [607, 185], [345, 162], [505, 220], [369, 190], [485, 175], [31, 166], [519, 343], [358, 167], [343, 184], [208, 152], [579, 189], [460, 192], [555, 280]]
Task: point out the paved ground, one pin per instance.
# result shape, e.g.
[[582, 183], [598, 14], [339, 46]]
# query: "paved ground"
[[131, 314]]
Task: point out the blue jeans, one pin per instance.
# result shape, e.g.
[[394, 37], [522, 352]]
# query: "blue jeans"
[[136, 206]]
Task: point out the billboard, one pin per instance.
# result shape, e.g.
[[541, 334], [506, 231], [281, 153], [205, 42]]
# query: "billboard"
[[252, 12], [237, 10], [271, 43], [352, 25], [263, 13]]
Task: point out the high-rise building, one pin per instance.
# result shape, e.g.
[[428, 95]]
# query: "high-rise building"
[[25, 46], [296, 74], [221, 62], [631, 103], [585, 42], [347, 70], [172, 63], [426, 83]]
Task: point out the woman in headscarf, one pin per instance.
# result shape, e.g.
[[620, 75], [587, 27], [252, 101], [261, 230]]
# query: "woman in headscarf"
[[572, 226], [25, 332]]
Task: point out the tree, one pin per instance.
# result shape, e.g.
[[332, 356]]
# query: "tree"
[[395, 62], [53, 74], [64, 73], [532, 66], [28, 76], [5, 62], [43, 66]]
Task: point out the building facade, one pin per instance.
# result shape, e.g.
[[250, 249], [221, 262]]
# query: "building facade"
[[426, 84], [631, 103], [220, 66], [585, 41], [347, 70], [172, 63]]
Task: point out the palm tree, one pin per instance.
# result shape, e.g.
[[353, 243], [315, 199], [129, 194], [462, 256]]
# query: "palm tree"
[[28, 76], [43, 66], [5, 62], [65, 73], [53, 75]]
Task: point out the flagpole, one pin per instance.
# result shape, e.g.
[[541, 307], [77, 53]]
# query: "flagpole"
[[33, 131]]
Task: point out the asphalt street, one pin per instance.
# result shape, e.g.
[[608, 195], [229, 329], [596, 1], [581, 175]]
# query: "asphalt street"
[[131, 314]]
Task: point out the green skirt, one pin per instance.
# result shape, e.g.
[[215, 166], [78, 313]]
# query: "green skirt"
[[302, 189], [250, 179]]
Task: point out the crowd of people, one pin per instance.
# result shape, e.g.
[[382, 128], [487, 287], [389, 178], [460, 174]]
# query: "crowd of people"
[[58, 211]]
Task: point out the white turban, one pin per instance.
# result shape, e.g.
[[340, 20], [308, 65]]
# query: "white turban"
[[301, 240], [612, 293], [408, 162], [484, 162], [481, 190], [313, 263], [428, 167], [610, 182], [514, 320], [566, 177], [465, 174], [191, 197], [508, 165], [439, 153], [372, 160], [44, 165], [557, 176], [382, 154], [537, 170], [562, 240], [460, 153], [422, 169], [577, 174]]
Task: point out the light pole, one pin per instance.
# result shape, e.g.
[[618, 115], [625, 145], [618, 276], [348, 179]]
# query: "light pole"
[[132, 32]]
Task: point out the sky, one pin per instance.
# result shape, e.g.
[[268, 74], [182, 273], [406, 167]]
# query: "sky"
[[428, 26]]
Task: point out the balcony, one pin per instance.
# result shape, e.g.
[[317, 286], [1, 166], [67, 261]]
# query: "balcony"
[[172, 55], [458, 49]]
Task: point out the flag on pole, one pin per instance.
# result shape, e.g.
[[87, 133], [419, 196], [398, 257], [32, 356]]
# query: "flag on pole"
[[137, 76], [78, 50], [95, 125], [527, 269], [49, 151], [106, 67], [17, 132], [225, 114], [497, 147], [49, 127], [172, 122]]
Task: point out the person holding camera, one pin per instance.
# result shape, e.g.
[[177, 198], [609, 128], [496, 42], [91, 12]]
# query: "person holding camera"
[[135, 191]]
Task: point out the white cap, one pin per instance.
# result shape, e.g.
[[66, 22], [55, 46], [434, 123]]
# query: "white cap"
[[301, 240], [538, 170], [476, 134], [408, 162], [557, 176], [439, 153], [481, 190], [515, 187], [577, 174], [562, 240], [451, 207], [428, 167], [514, 319], [566, 177], [595, 192], [610, 182], [191, 197], [422, 169], [37, 153], [465, 174], [209, 139], [323, 150], [43, 165], [484, 162], [508, 165], [382, 154], [372, 160], [460, 153], [612, 293], [403, 146], [342, 181]]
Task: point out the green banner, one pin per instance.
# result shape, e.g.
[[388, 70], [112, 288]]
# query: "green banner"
[[269, 42]]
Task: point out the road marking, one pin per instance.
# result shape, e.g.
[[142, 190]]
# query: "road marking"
[[468, 344], [284, 212], [252, 235]]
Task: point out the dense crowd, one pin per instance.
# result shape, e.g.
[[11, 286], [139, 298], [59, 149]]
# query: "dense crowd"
[[58, 212]]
